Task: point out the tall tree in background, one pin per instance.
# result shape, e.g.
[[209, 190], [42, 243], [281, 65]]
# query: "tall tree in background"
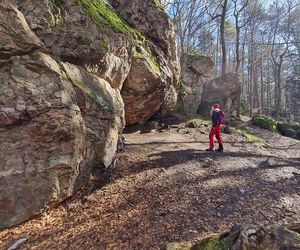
[[222, 34], [258, 39], [239, 6], [280, 46]]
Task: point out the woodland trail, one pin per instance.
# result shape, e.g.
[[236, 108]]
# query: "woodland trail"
[[164, 188]]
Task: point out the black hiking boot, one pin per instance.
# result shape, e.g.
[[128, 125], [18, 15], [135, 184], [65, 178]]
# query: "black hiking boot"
[[209, 149], [220, 149]]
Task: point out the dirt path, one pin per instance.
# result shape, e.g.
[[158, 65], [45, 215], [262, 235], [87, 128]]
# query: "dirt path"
[[164, 187]]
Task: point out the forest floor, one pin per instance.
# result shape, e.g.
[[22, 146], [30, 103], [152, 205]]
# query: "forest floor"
[[166, 188]]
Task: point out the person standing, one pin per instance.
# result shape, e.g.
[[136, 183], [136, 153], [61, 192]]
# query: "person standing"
[[217, 117]]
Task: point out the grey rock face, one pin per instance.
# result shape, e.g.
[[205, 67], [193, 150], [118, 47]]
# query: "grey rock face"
[[196, 73], [224, 90], [59, 122]]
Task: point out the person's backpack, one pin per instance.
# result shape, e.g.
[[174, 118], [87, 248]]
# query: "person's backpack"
[[221, 117]]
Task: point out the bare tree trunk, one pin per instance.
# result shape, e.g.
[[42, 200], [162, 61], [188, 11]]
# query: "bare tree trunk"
[[256, 95], [251, 87], [269, 88], [222, 36], [242, 82], [278, 92], [261, 83]]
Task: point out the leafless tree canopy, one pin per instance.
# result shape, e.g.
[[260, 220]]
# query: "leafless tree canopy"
[[258, 39]]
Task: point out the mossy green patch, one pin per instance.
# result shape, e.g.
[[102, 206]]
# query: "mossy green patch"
[[254, 139], [264, 122], [97, 94], [140, 53], [197, 123], [88, 91], [94, 94], [250, 137], [104, 16], [57, 17], [104, 44], [154, 64], [54, 20], [211, 243], [157, 3], [178, 246]]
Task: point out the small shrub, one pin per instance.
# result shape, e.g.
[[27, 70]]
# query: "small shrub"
[[264, 122]]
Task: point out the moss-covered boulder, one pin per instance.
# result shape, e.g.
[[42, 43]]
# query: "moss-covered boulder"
[[289, 130], [247, 237], [197, 123], [264, 122]]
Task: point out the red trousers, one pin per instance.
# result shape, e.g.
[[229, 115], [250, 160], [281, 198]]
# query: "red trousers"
[[215, 131]]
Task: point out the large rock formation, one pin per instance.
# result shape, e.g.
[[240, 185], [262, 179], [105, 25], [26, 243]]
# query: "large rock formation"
[[57, 122], [196, 73], [63, 67], [223, 90], [154, 72]]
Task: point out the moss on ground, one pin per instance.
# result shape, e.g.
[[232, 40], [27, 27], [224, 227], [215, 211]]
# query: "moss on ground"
[[211, 243], [178, 246], [197, 123], [264, 122], [254, 139], [104, 16], [250, 137]]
